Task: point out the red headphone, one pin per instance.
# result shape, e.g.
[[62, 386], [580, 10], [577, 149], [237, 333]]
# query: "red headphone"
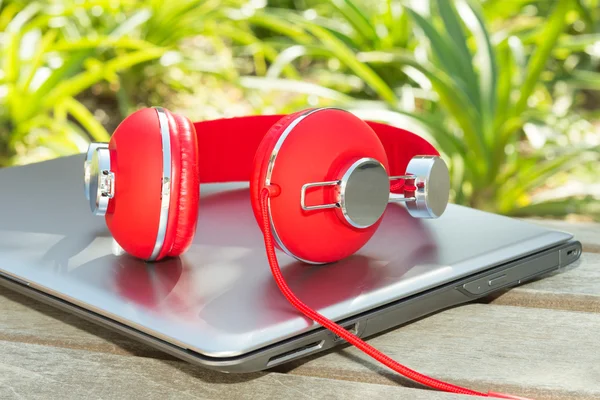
[[320, 181], [328, 173]]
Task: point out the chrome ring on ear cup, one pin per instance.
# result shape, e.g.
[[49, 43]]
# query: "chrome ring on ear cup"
[[165, 199], [432, 182], [99, 181], [87, 167]]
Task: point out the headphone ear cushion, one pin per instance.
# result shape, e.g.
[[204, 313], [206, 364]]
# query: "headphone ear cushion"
[[183, 208], [133, 215], [261, 161]]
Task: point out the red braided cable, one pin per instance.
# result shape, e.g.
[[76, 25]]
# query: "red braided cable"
[[337, 329], [343, 333]]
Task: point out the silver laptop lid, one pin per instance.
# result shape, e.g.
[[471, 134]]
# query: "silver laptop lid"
[[219, 298]]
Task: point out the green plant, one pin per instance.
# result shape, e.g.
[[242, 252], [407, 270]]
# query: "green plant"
[[335, 31], [44, 69], [201, 38], [63, 59], [477, 96]]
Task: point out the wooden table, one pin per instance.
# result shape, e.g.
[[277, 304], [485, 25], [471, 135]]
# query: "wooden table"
[[540, 340]]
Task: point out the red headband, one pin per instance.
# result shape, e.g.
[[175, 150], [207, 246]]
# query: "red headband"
[[226, 147]]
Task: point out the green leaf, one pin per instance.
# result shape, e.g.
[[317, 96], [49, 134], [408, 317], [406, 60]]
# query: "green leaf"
[[504, 90], [280, 24], [294, 86], [588, 80], [463, 55], [577, 42], [446, 53], [101, 42], [428, 126], [131, 23], [285, 58], [23, 17], [7, 14], [70, 66], [38, 58], [488, 69], [347, 57], [589, 206], [84, 80], [356, 17], [538, 173], [244, 37], [554, 27], [11, 62], [585, 13], [451, 97], [87, 120]]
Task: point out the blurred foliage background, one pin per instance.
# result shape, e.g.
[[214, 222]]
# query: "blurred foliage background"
[[509, 91]]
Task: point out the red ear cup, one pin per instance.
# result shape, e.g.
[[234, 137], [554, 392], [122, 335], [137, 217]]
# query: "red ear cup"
[[318, 148], [185, 181], [136, 156]]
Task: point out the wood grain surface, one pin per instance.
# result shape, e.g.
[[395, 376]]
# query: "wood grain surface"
[[540, 340]]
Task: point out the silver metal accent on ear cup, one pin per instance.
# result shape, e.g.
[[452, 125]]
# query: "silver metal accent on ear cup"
[[272, 160], [318, 206], [99, 181], [432, 182], [364, 193], [165, 200], [87, 166]]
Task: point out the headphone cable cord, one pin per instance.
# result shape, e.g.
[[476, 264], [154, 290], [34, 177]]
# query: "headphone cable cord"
[[342, 332]]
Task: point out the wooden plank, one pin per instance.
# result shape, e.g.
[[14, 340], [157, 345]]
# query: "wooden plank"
[[483, 346], [588, 233], [537, 353], [576, 288], [41, 372]]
